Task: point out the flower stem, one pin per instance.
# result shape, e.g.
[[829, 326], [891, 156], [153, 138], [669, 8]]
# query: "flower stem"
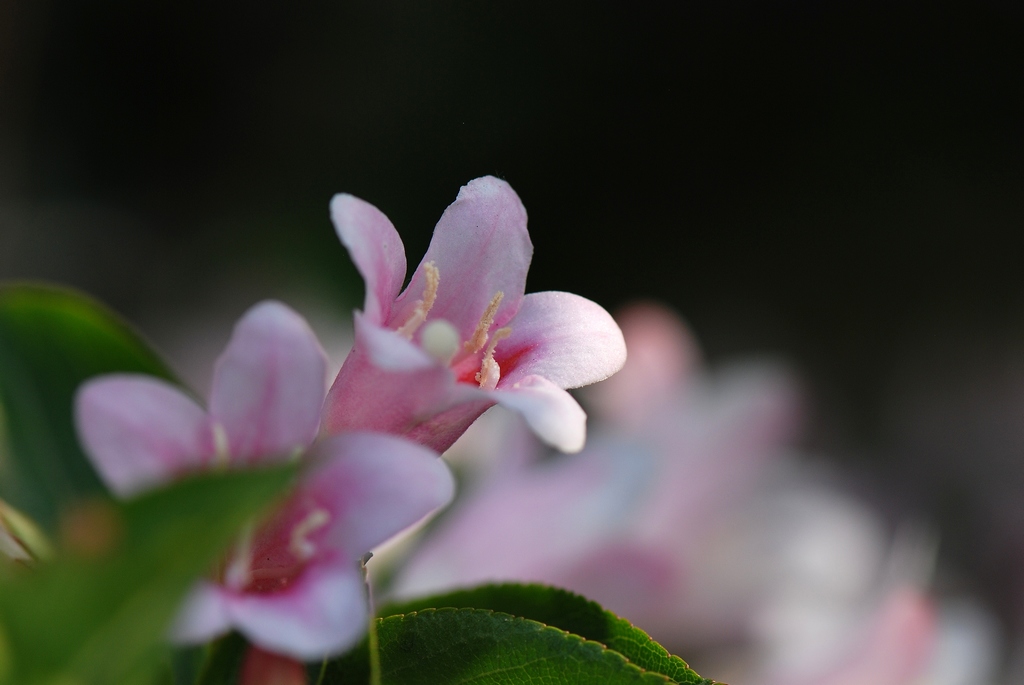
[[371, 637], [374, 653], [323, 672]]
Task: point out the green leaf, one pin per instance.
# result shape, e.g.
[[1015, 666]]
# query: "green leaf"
[[50, 341], [100, 615], [463, 646], [570, 612]]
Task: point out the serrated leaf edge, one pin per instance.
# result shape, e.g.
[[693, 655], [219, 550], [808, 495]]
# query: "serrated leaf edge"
[[544, 627], [540, 587]]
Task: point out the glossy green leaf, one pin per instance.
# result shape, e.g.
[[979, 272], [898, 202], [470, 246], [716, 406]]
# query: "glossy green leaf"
[[100, 615], [570, 612], [464, 646], [50, 341]]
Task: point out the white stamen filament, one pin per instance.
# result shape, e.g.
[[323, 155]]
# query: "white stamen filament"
[[419, 314], [221, 446], [477, 341], [300, 545], [490, 372], [238, 573], [440, 340]]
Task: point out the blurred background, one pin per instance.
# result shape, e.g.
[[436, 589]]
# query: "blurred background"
[[839, 185]]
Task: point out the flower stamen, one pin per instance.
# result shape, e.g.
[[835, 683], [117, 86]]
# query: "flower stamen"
[[300, 544], [440, 340], [419, 314], [221, 447], [490, 372], [238, 573], [477, 341]]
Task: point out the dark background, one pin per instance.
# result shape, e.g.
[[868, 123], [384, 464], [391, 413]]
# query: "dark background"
[[839, 183]]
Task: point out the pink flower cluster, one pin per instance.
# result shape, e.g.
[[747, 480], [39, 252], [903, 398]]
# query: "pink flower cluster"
[[426, 363], [685, 515]]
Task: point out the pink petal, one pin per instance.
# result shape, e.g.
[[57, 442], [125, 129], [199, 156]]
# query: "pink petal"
[[522, 527], [374, 486], [440, 431], [375, 248], [663, 354], [551, 412], [717, 438], [480, 247], [366, 397], [322, 613], [565, 338], [629, 578], [388, 350], [139, 431], [895, 648], [203, 615], [268, 384]]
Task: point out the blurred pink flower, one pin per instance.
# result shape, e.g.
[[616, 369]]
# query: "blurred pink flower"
[[292, 584], [264, 407], [892, 645], [627, 522], [462, 336], [686, 515], [841, 599]]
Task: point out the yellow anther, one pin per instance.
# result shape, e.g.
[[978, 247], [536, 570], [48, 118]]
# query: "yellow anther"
[[490, 372], [477, 341], [419, 313], [300, 544]]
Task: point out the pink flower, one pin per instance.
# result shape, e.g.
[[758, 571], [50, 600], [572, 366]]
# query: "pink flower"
[[292, 584], [892, 643], [462, 336], [628, 521]]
